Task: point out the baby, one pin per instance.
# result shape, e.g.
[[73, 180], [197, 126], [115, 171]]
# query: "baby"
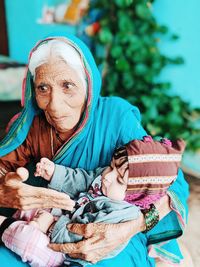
[[140, 173]]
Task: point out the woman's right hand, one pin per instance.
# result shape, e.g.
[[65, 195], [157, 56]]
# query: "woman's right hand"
[[99, 239], [16, 194]]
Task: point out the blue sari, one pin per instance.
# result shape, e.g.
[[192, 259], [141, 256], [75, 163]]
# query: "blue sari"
[[107, 122]]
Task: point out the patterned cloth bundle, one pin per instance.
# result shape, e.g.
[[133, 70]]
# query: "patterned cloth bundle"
[[152, 165]]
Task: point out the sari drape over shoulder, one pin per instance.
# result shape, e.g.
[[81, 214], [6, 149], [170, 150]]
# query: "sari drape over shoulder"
[[106, 123]]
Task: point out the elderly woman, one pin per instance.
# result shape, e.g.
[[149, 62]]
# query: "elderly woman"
[[65, 119]]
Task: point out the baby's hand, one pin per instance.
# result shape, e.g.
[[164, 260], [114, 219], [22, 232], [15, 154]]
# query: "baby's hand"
[[45, 168]]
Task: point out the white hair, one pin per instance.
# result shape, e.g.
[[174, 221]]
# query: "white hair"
[[61, 50]]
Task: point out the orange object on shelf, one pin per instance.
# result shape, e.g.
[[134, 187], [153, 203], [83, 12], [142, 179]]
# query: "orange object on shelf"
[[75, 11]]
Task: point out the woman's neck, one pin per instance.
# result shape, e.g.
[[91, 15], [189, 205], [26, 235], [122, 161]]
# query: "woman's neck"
[[64, 136]]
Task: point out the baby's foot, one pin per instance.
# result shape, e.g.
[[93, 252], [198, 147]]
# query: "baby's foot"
[[45, 168]]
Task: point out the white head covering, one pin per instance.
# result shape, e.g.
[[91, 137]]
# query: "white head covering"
[[57, 49]]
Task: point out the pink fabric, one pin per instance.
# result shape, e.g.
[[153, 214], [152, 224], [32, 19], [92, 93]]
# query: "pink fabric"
[[143, 201], [12, 120], [26, 215], [147, 138], [166, 141], [31, 244], [152, 252], [24, 88]]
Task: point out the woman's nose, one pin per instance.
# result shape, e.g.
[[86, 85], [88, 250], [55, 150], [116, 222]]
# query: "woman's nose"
[[55, 102]]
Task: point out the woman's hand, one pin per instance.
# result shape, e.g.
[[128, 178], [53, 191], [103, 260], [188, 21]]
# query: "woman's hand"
[[99, 239], [16, 194]]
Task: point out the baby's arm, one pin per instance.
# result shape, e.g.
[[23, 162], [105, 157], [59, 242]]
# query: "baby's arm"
[[45, 168], [72, 181], [65, 179]]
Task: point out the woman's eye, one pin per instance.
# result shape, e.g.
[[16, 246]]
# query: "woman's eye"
[[42, 89], [68, 85]]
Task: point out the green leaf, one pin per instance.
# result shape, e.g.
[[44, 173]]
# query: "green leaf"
[[112, 83], [122, 64], [143, 11], [141, 69], [130, 38], [128, 80], [162, 29], [123, 3], [174, 37], [125, 24], [178, 60], [174, 119], [116, 51], [105, 36], [153, 129]]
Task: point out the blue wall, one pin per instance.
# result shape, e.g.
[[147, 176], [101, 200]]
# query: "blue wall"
[[24, 30], [182, 18]]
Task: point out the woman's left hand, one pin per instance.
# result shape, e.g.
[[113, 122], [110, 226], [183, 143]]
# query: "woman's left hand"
[[99, 239]]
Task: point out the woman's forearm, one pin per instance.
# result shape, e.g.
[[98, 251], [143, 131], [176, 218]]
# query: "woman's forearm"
[[163, 207]]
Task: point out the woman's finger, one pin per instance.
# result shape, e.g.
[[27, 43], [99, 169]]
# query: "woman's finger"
[[31, 202], [82, 247], [92, 253], [64, 248], [67, 248], [28, 197], [86, 230], [39, 205], [25, 190], [14, 178], [91, 250], [22, 196], [56, 199], [91, 257], [50, 193], [44, 206]]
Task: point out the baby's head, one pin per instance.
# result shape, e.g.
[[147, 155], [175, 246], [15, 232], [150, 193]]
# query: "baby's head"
[[142, 170]]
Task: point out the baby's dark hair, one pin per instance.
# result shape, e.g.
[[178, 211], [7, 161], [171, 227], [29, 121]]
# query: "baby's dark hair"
[[120, 159]]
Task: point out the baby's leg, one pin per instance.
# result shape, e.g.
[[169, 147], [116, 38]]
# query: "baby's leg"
[[45, 168], [42, 220], [31, 244]]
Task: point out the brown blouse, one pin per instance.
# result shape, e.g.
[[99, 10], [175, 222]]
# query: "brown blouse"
[[41, 141]]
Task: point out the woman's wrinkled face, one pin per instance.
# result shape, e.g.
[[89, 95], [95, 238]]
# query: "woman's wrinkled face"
[[60, 93]]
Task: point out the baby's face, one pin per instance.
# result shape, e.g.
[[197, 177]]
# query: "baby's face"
[[113, 185]]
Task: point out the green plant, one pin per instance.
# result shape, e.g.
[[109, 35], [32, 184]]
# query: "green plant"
[[132, 61]]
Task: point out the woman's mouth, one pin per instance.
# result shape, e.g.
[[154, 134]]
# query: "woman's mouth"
[[58, 119], [53, 118]]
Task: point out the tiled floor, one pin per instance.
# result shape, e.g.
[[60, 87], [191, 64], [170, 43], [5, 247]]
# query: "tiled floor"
[[192, 234]]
